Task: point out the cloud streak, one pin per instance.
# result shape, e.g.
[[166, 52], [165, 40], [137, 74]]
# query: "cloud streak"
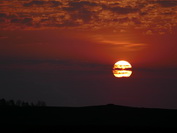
[[125, 46], [155, 16]]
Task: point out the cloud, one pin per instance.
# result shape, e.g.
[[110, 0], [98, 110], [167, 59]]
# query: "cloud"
[[167, 3], [2, 15], [123, 45], [24, 21], [42, 3], [80, 10], [68, 24], [124, 10], [38, 3], [27, 20], [120, 42], [144, 15], [57, 65], [79, 5]]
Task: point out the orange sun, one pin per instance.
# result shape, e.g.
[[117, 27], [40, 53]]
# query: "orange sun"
[[122, 69]]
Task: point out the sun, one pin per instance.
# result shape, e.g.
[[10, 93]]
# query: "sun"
[[122, 64], [122, 69]]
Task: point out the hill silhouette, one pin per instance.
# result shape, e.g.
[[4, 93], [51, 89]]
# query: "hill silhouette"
[[121, 117]]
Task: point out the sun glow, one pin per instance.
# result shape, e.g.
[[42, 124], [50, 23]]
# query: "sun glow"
[[122, 69]]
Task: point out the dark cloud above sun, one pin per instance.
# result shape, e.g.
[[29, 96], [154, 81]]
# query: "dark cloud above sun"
[[150, 16]]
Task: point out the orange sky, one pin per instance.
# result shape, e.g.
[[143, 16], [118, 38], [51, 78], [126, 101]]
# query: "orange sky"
[[140, 31], [63, 51]]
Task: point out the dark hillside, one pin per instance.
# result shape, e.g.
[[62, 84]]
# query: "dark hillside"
[[106, 115]]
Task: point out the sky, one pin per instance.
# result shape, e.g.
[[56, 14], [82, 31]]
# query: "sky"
[[63, 51]]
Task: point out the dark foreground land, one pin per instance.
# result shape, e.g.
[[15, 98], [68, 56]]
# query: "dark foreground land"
[[103, 118]]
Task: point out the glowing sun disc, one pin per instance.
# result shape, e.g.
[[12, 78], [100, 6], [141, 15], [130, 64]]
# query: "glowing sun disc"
[[122, 69]]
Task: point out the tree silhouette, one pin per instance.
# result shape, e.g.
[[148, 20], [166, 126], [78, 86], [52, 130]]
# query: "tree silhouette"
[[41, 103], [11, 103], [3, 102], [20, 103]]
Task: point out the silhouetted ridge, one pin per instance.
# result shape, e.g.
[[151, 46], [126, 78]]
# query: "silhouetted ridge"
[[110, 114], [111, 106]]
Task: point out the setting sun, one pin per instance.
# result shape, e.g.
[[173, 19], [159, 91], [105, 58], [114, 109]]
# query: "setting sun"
[[120, 69]]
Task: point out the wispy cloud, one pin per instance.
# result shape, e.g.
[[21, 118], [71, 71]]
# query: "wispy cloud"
[[127, 46]]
